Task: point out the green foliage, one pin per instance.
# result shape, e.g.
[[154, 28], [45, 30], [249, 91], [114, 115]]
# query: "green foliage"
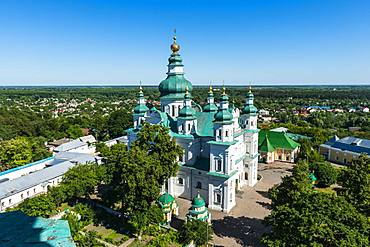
[[325, 172], [81, 180], [85, 211], [118, 122], [305, 217], [164, 239], [356, 184], [74, 224], [15, 152], [20, 151], [74, 131], [317, 219], [137, 175], [58, 194], [198, 231], [88, 239], [292, 187], [42, 205], [308, 152]]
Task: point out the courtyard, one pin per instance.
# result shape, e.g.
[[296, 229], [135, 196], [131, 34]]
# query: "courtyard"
[[243, 225]]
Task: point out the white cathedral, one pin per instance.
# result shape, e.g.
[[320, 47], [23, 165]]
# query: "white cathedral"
[[220, 141]]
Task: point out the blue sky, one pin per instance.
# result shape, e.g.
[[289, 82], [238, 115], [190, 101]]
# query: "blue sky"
[[122, 42]]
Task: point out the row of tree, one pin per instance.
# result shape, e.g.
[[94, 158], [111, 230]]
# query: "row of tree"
[[302, 216]]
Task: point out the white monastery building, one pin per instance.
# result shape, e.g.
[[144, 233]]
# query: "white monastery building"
[[220, 141], [27, 181]]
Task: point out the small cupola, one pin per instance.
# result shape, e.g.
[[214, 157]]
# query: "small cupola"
[[223, 114], [210, 106], [249, 108]]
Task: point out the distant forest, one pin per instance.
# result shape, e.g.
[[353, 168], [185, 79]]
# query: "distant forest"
[[31, 116]]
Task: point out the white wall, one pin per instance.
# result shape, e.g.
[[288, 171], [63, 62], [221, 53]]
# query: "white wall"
[[17, 198], [27, 170]]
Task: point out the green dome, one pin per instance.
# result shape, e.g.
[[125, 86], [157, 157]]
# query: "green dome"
[[249, 109], [224, 97], [198, 202], [175, 86], [210, 108], [187, 111], [166, 198], [223, 116], [140, 109]]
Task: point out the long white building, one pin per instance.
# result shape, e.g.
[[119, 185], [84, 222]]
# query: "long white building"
[[27, 181]]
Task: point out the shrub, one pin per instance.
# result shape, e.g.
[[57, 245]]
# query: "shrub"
[[326, 173], [42, 205]]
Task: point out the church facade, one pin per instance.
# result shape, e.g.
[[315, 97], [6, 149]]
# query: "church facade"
[[220, 142]]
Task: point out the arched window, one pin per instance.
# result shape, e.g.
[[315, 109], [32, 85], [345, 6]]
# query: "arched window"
[[218, 163], [173, 110], [199, 185], [181, 181], [217, 199]]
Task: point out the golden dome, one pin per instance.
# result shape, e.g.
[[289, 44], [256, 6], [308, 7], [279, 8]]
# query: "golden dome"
[[175, 47]]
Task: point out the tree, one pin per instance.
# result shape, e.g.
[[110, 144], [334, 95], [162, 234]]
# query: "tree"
[[308, 152], [88, 239], [42, 205], [118, 122], [81, 180], [138, 174], [74, 131], [292, 187], [15, 152], [317, 219], [356, 184], [198, 231], [326, 173]]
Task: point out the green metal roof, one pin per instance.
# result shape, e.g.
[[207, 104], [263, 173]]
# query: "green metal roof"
[[205, 123], [166, 198], [223, 115], [210, 108], [221, 175], [249, 109], [266, 146], [198, 201], [140, 108], [20, 230], [175, 85], [222, 143], [312, 177], [187, 111], [276, 140]]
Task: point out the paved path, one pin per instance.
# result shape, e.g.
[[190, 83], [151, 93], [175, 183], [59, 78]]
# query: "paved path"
[[243, 225], [128, 242]]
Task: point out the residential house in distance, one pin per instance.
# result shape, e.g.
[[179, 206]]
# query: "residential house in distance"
[[343, 151], [277, 146]]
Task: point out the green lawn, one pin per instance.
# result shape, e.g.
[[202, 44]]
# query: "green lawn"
[[108, 235]]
